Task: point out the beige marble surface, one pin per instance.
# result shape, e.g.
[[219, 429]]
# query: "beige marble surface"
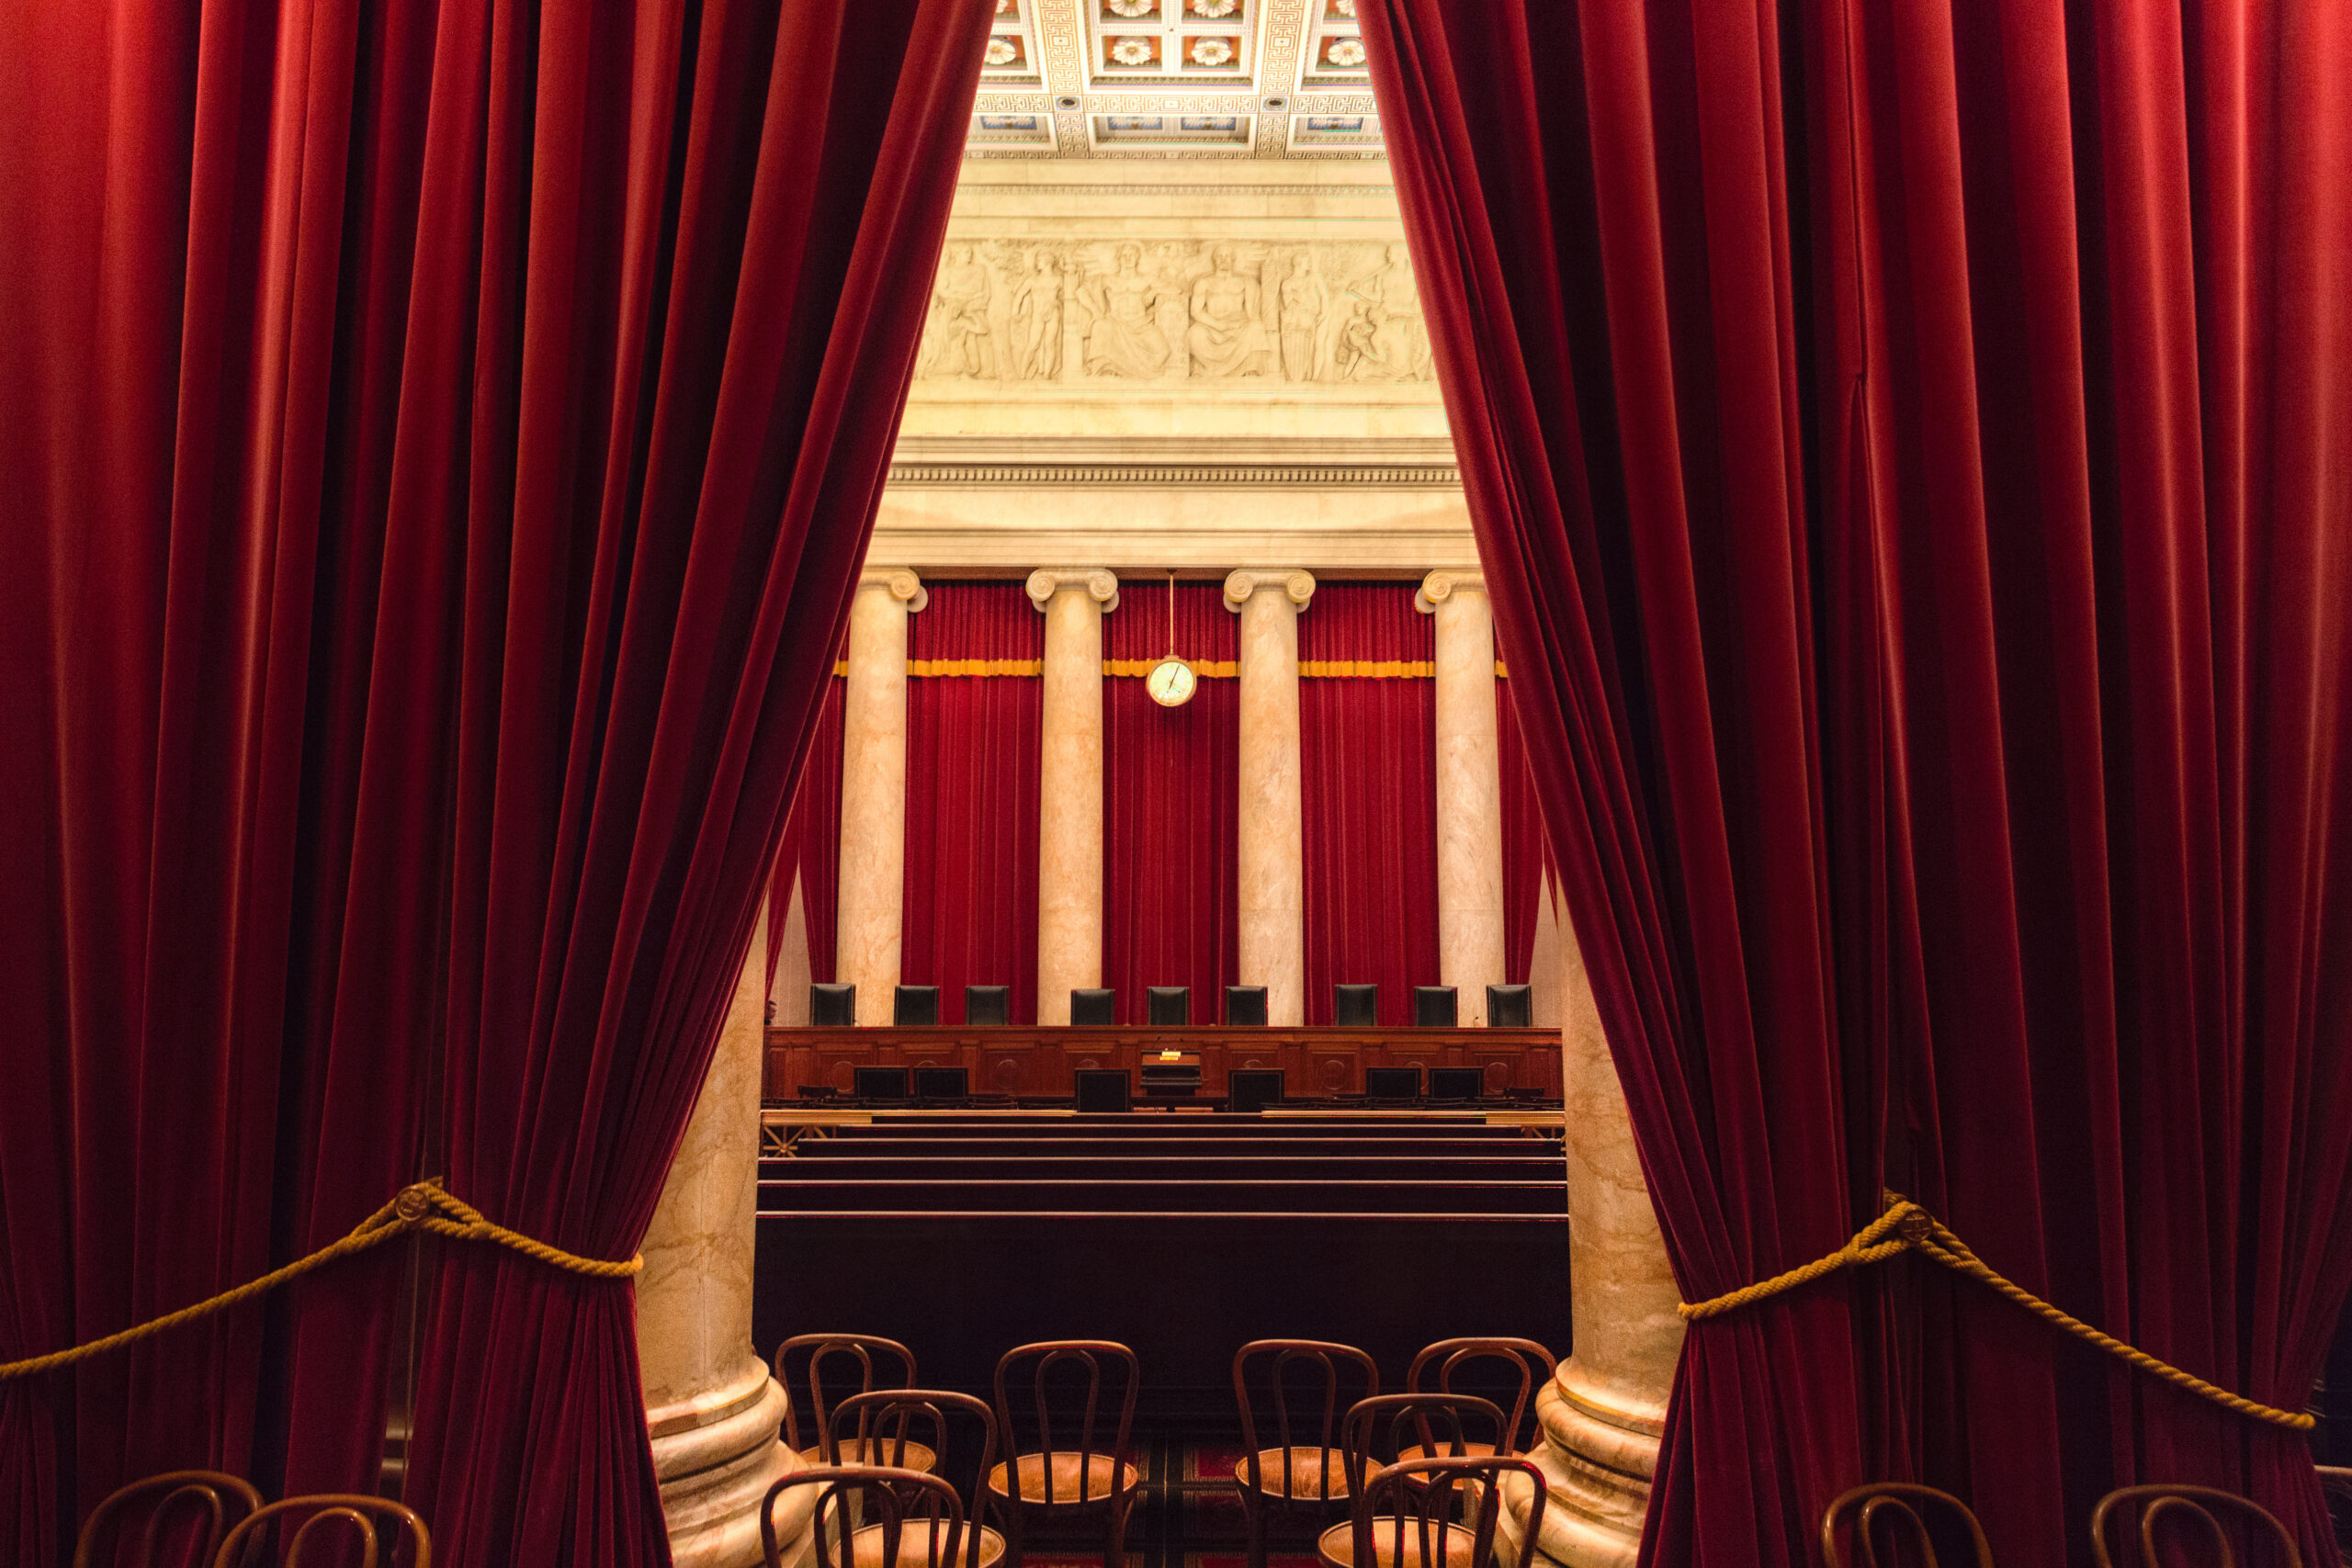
[[1545, 979], [788, 989], [710, 1406], [1271, 875], [1469, 791], [1069, 783], [874, 789]]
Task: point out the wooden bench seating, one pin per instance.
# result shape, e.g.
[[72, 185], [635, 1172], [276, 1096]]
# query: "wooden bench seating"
[[1167, 1165], [1169, 1196]]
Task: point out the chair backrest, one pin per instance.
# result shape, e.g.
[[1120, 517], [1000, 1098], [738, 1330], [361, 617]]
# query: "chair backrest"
[[1887, 1503], [338, 1518], [1094, 1005], [1511, 1007], [1448, 1357], [1245, 1007], [892, 1417], [1052, 1408], [852, 1496], [179, 1508], [1327, 1366], [1168, 1005], [1356, 1007], [1378, 1428], [847, 1355], [914, 1007], [832, 1006], [1436, 1007], [2190, 1507], [1423, 1498], [987, 1005], [1103, 1091]]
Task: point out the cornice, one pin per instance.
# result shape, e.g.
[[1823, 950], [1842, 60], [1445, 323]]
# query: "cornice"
[[1172, 476]]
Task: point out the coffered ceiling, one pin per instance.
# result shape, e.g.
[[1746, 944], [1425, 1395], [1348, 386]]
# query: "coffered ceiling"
[[1207, 79]]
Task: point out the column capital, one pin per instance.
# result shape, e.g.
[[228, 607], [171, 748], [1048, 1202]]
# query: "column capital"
[[901, 582], [1297, 585], [1443, 585], [1100, 583]]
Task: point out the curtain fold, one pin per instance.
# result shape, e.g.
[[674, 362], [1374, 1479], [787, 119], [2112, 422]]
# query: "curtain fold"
[[1902, 443], [1368, 795], [445, 437], [1526, 854], [1171, 899], [975, 700]]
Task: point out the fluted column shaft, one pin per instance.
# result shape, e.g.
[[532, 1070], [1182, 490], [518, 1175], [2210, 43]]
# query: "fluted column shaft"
[[709, 1402], [1272, 874], [1469, 790], [1069, 793], [874, 790]]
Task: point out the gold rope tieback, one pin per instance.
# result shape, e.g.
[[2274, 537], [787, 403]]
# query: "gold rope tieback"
[[421, 1207], [1907, 1227]]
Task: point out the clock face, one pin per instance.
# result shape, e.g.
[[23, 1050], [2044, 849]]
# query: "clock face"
[[1169, 683]]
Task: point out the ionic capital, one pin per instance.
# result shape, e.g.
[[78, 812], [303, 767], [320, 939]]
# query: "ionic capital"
[[1299, 586], [1440, 586], [899, 582], [1100, 585]]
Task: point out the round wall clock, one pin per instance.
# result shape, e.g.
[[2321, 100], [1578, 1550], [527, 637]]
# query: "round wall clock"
[[1170, 682]]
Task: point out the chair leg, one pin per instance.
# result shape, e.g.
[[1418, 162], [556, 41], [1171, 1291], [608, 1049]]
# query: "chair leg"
[[1012, 1533], [1254, 1525], [1114, 1535]]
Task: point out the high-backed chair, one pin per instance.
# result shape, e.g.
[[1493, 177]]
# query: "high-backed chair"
[[1057, 1475], [884, 1425], [1094, 1006], [356, 1517], [1923, 1513], [827, 1366], [1511, 1007], [1170, 1007], [1439, 1367], [1245, 1007], [1253, 1089], [1457, 1083], [183, 1516], [987, 1005], [1106, 1091], [1449, 1426], [914, 1007], [1295, 1473], [1355, 1007], [832, 1006], [2142, 1511], [1436, 1007], [1426, 1512], [868, 1516]]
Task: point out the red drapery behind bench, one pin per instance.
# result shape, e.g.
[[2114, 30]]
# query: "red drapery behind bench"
[[810, 857]]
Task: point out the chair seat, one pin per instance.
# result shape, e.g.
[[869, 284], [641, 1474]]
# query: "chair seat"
[[1308, 1467], [1445, 1450], [1105, 1478], [915, 1546], [879, 1450], [1338, 1546]]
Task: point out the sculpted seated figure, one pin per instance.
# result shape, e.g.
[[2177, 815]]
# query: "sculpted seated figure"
[[1226, 337], [1125, 339]]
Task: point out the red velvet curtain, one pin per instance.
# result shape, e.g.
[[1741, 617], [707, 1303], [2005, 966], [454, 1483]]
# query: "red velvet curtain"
[[810, 857], [1526, 856], [1367, 708], [977, 654], [1905, 446], [1171, 907], [442, 440]]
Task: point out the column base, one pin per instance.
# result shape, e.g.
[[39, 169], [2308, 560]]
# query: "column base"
[[1598, 1462], [716, 1456]]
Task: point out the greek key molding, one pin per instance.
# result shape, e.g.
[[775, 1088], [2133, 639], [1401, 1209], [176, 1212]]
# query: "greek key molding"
[[1176, 476]]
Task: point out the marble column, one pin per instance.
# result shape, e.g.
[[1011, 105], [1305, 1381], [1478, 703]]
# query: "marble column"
[[874, 789], [1602, 1414], [1069, 774], [1271, 873], [712, 1408], [1469, 790], [788, 985]]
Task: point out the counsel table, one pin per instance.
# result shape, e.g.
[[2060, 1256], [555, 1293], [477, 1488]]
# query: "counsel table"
[[1031, 1061]]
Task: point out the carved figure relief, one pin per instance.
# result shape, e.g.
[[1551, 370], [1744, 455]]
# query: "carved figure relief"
[[1010, 311]]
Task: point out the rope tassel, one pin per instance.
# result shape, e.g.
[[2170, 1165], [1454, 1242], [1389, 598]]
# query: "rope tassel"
[[1907, 1227]]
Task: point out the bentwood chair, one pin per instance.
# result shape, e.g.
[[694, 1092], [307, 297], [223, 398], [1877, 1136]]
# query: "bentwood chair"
[[828, 1364], [377, 1526], [183, 1514], [883, 1420], [916, 1521], [1438, 1513], [1445, 1360], [1883, 1510], [1292, 1474], [1056, 1476], [2142, 1511], [1444, 1426]]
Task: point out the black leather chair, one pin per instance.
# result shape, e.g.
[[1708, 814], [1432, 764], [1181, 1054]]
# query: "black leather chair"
[[1104, 1089], [915, 1005], [1457, 1083], [881, 1083], [1170, 1006], [832, 1006], [988, 1004], [1511, 1007], [1436, 1007], [1253, 1089], [1091, 1006], [1392, 1083], [1355, 1007], [1245, 1007]]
